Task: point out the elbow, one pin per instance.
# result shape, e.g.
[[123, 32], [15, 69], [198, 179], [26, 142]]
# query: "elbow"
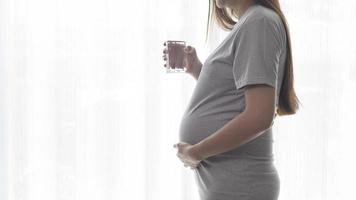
[[267, 124], [262, 123]]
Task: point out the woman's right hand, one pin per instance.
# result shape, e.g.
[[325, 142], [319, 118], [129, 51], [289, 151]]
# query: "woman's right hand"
[[190, 61]]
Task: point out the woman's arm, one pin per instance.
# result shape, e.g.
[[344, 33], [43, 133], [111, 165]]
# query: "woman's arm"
[[257, 117]]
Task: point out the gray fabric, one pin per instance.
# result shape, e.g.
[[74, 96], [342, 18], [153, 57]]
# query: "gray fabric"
[[254, 52]]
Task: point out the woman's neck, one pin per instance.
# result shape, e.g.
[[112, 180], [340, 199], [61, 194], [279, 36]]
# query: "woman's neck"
[[243, 6]]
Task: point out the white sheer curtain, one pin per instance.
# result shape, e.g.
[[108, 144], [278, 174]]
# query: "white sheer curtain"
[[88, 112]]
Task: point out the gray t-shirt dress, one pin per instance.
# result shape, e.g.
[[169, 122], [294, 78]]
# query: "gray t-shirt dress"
[[254, 52]]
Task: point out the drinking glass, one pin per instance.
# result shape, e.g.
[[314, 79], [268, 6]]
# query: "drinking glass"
[[175, 56]]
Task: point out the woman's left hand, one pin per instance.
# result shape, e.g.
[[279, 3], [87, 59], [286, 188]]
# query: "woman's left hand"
[[187, 154]]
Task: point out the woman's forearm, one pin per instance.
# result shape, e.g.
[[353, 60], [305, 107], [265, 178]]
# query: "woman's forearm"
[[241, 129]]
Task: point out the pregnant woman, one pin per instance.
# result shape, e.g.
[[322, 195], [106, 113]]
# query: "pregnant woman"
[[226, 131]]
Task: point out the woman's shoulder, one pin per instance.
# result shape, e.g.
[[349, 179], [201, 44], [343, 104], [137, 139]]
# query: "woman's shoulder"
[[261, 14], [258, 19]]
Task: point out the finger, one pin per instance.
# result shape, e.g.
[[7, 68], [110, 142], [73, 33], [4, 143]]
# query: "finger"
[[165, 50], [179, 155], [188, 49], [164, 57], [185, 62], [187, 165], [193, 166], [193, 163], [165, 43], [188, 64], [190, 165], [181, 144], [189, 162]]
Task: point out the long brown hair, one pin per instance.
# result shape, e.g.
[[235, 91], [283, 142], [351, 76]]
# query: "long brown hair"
[[288, 100]]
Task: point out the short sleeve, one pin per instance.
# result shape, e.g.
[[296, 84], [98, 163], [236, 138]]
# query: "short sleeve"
[[257, 51]]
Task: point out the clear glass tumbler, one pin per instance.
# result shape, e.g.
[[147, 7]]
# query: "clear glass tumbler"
[[175, 56]]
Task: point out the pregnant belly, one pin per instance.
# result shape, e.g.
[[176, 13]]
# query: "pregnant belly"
[[194, 128]]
